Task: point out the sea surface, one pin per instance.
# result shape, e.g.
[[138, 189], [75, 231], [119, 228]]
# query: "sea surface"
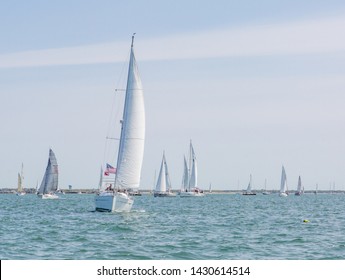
[[237, 227]]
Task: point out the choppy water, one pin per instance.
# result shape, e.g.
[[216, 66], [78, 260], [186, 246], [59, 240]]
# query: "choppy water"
[[212, 227]]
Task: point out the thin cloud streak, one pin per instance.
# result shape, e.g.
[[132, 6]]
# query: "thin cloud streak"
[[303, 37]]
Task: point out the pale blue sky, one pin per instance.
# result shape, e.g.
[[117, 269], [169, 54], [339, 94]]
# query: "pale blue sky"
[[254, 84]]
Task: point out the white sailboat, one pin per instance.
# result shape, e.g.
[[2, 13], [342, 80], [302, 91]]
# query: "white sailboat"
[[20, 189], [131, 146], [265, 192], [283, 184], [190, 176], [163, 186], [300, 190], [50, 179], [249, 188]]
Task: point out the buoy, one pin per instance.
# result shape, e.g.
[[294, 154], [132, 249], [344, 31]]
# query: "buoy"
[[305, 221]]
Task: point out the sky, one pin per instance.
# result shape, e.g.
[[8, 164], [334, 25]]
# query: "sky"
[[254, 84]]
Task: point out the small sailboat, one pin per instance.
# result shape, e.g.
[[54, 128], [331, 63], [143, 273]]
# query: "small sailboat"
[[300, 189], [265, 192], [316, 189], [50, 179], [283, 184], [20, 189], [131, 147], [163, 186], [249, 188], [190, 176]]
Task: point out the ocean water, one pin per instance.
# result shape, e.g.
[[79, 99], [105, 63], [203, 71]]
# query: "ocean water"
[[212, 227]]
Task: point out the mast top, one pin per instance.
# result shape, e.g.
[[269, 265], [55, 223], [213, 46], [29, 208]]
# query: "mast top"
[[132, 40]]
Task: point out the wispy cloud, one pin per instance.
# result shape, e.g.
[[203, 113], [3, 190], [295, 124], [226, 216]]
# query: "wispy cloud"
[[303, 37]]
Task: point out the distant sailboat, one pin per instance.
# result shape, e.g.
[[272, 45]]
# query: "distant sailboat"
[[131, 146], [283, 184], [163, 186], [249, 188], [265, 192], [20, 189], [300, 190], [50, 180], [190, 176]]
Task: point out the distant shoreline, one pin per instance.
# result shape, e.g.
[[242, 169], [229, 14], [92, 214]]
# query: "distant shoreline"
[[148, 192]]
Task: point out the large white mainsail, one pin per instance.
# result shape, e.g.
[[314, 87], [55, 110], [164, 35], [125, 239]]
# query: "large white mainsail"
[[283, 184], [131, 146], [50, 179]]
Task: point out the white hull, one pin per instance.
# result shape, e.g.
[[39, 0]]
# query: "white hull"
[[191, 194], [48, 196], [21, 193], [283, 194], [113, 202]]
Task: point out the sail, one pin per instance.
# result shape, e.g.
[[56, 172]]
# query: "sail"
[[131, 147], [167, 177], [21, 179], [299, 185], [185, 179], [283, 183], [19, 183], [249, 188], [50, 178], [193, 181], [161, 185]]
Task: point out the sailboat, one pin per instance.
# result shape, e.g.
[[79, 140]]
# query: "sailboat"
[[283, 184], [131, 146], [316, 189], [249, 188], [190, 176], [265, 192], [163, 186], [20, 189], [300, 190], [50, 179]]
